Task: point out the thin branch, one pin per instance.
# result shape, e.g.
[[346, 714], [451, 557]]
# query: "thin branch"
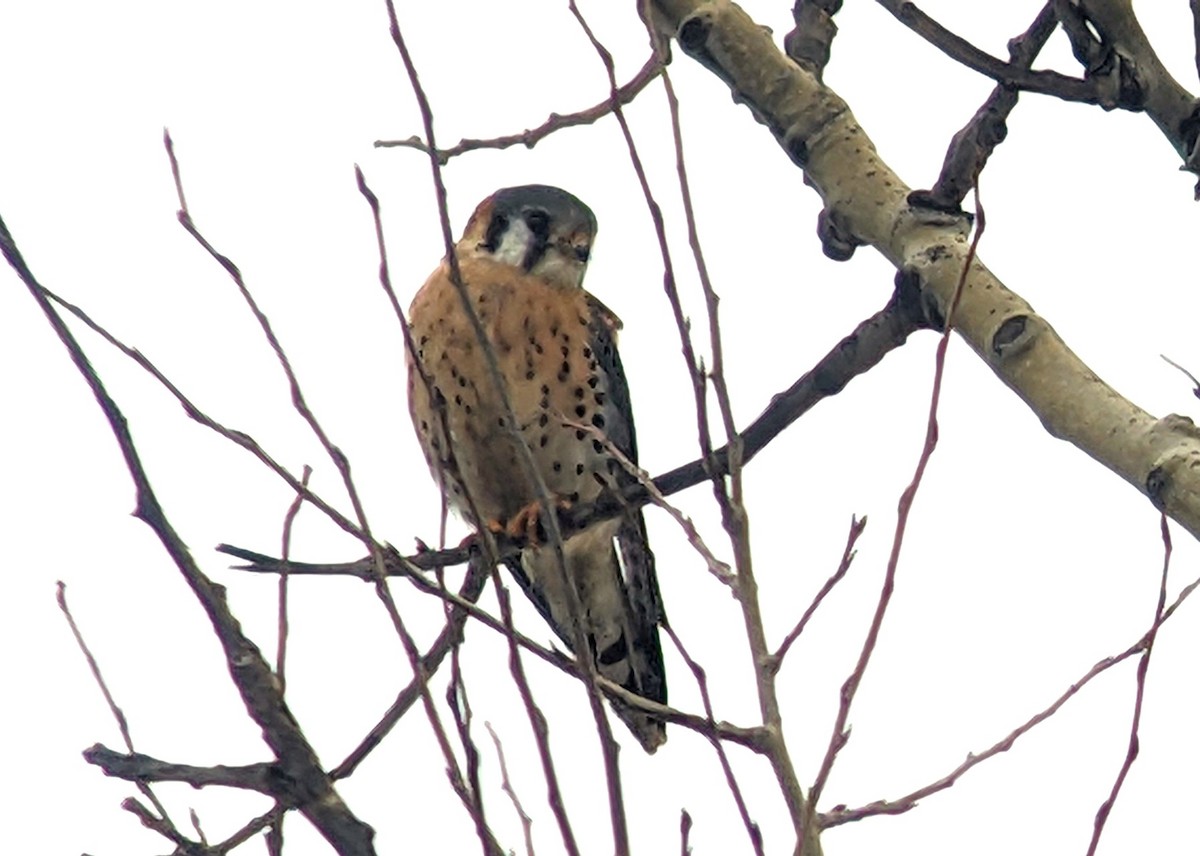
[[750, 737], [556, 122], [857, 525], [460, 710], [974, 144], [910, 800], [528, 466], [270, 820], [340, 462], [114, 708], [1131, 752], [136, 767], [1005, 73], [752, 829], [250, 673], [720, 570], [507, 786], [849, 689], [239, 438], [166, 830], [1188, 374], [451, 633], [285, 553]]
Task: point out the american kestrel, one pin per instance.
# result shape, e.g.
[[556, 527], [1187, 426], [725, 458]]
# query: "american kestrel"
[[522, 258]]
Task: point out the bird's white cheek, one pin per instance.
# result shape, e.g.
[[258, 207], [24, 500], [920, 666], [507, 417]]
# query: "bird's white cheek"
[[514, 244]]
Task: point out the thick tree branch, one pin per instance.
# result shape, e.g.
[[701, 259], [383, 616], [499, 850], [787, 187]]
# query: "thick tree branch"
[[818, 131], [810, 42], [972, 146], [1174, 110]]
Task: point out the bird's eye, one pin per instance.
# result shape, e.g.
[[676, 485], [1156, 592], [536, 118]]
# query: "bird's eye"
[[495, 231], [538, 222], [583, 252]]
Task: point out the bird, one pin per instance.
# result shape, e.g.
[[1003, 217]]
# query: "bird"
[[521, 261]]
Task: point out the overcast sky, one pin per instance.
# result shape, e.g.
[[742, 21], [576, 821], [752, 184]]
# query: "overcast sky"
[[1025, 562]]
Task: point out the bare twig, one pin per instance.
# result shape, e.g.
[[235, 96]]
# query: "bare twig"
[[156, 824], [752, 828], [118, 714], [468, 593], [1006, 73], [239, 438], [248, 669], [556, 121], [341, 463], [195, 818], [910, 800], [1188, 374], [460, 709], [507, 786], [286, 545], [840, 733], [585, 666], [857, 525], [1131, 752], [749, 737], [715, 566]]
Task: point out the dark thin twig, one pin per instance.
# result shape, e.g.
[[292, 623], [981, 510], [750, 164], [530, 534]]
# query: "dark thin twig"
[[507, 786], [239, 438], [542, 495], [910, 800], [460, 710], [267, 821], [973, 145], [118, 714], [341, 463], [556, 121], [840, 733], [286, 545], [749, 737], [195, 819], [854, 355], [1188, 374], [250, 673], [1131, 753], [752, 828], [716, 567], [469, 591], [1007, 73], [857, 525], [156, 824]]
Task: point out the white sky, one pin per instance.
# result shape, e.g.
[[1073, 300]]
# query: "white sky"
[[1025, 561]]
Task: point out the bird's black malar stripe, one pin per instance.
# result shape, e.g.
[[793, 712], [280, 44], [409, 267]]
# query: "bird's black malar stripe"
[[538, 222], [495, 231]]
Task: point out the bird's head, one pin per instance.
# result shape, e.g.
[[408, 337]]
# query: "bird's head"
[[540, 229]]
